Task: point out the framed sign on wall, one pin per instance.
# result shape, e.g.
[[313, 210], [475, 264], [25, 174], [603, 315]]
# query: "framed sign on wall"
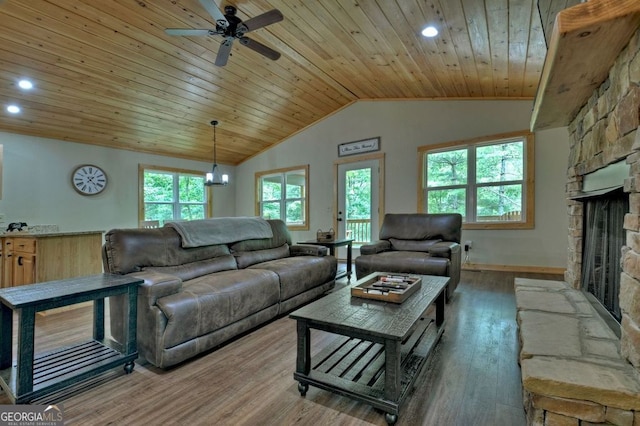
[[359, 147]]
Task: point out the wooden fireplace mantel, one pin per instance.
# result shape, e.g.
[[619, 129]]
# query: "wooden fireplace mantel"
[[585, 42]]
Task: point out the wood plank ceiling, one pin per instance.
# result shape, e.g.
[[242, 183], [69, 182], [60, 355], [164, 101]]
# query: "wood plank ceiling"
[[106, 73]]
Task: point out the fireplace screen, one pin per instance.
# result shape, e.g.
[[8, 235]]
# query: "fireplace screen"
[[603, 238]]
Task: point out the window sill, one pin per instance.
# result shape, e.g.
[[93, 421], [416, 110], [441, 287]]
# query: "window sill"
[[502, 225]]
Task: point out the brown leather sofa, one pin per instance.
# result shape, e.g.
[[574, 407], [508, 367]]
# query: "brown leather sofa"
[[193, 299], [416, 243]]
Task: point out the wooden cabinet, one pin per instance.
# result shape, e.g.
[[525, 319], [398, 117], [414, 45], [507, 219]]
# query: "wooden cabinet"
[[29, 259], [7, 262], [23, 261]]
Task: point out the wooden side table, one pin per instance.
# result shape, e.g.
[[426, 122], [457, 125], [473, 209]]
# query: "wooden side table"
[[33, 376], [331, 245]]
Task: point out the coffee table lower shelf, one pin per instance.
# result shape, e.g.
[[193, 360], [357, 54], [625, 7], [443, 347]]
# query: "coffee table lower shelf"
[[355, 367], [62, 367]]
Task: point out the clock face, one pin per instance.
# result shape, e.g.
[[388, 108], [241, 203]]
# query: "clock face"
[[89, 180]]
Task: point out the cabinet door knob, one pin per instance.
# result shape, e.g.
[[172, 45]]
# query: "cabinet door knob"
[[20, 260]]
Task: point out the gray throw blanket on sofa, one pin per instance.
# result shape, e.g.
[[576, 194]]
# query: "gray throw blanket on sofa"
[[221, 230]]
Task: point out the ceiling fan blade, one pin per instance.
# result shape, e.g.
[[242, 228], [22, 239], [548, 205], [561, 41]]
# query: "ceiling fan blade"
[[211, 7], [224, 52], [263, 20], [260, 48], [187, 32]]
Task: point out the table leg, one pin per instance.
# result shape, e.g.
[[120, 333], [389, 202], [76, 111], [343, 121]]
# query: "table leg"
[[26, 334], [349, 256], [440, 303], [303, 361], [131, 320], [6, 336], [98, 319], [392, 370]]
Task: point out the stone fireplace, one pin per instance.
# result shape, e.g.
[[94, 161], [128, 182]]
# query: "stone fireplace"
[[575, 369], [604, 133]]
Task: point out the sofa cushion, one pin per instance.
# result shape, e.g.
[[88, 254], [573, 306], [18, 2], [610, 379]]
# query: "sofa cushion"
[[131, 250], [192, 270], [422, 226], [280, 237], [248, 258], [211, 302], [301, 273], [412, 245], [410, 262]]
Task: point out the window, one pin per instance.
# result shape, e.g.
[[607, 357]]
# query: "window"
[[282, 194], [489, 180], [172, 194]]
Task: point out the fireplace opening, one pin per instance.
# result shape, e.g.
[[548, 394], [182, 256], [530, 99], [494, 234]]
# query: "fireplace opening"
[[603, 238]]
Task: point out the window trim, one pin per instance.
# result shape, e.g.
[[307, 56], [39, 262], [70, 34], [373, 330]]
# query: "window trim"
[[148, 167], [528, 179], [258, 193]]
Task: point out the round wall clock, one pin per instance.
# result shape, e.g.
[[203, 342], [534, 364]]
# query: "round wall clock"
[[89, 179]]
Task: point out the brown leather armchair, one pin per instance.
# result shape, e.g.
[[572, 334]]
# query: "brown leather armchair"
[[416, 243]]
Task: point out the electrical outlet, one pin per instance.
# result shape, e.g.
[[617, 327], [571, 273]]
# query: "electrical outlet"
[[467, 245]]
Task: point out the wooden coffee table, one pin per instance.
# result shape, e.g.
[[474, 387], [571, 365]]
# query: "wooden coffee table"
[[383, 345]]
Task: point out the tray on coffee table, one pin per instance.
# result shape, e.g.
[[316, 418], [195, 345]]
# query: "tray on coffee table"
[[395, 288]]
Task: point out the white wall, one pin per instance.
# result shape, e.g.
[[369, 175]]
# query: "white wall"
[[36, 184], [403, 126], [37, 174]]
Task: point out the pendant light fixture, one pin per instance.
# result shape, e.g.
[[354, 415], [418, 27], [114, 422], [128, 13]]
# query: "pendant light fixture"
[[215, 178]]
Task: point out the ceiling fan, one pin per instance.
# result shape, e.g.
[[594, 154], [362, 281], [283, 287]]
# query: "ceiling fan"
[[231, 27]]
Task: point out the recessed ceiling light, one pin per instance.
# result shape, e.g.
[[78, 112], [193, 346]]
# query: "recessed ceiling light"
[[13, 109], [25, 84], [430, 31]]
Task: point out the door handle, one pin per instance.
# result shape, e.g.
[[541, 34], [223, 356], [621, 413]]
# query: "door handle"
[[20, 260]]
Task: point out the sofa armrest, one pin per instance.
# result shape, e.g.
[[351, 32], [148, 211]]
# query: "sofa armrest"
[[453, 252], [156, 285], [307, 250], [375, 247], [444, 249]]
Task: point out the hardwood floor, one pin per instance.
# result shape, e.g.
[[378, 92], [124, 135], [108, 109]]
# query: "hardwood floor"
[[472, 378]]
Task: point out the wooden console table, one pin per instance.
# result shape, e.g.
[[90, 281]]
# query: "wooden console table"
[[33, 376]]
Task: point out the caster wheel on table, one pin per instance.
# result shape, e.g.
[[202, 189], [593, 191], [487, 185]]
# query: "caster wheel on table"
[[302, 388], [128, 367], [391, 418]]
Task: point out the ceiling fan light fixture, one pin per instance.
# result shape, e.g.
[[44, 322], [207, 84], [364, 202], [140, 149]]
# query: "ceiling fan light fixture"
[[231, 27], [215, 178], [430, 31]]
